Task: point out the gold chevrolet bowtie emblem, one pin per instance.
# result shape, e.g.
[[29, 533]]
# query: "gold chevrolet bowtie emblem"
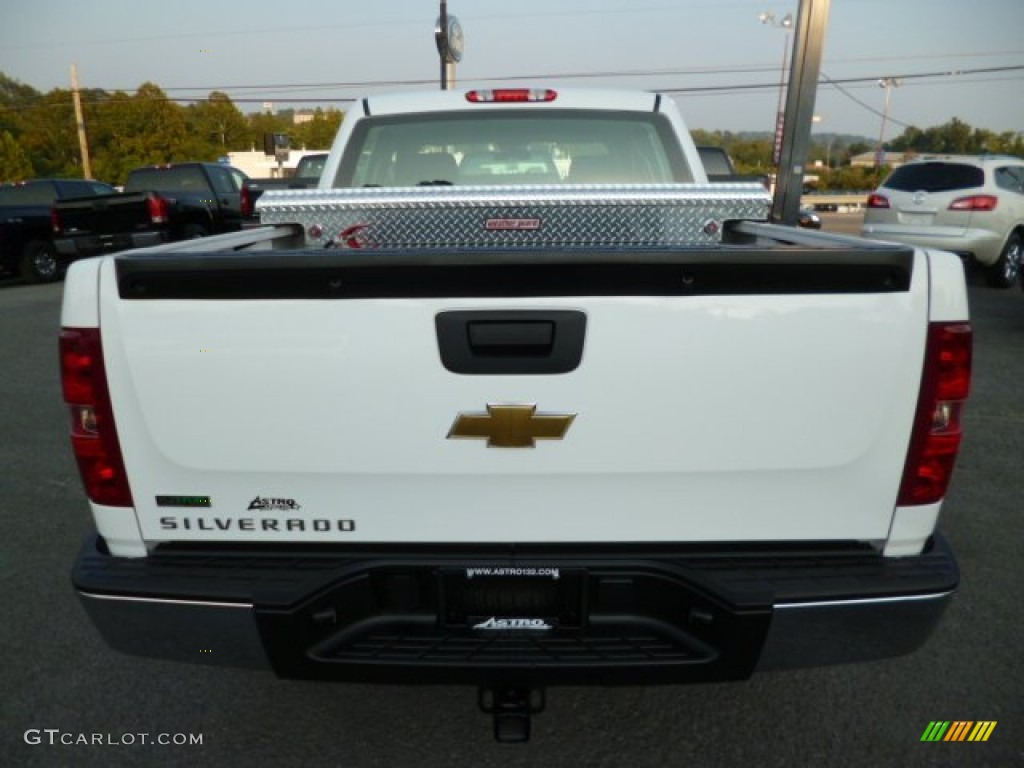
[[511, 426]]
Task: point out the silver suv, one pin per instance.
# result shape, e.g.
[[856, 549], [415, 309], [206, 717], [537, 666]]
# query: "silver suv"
[[971, 205]]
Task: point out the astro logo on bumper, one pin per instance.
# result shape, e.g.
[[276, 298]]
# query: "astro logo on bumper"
[[959, 730], [513, 623], [274, 505]]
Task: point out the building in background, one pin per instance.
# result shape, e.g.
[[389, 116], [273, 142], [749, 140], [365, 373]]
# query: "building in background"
[[260, 166], [891, 159]]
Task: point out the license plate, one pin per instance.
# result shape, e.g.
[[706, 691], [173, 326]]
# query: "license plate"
[[917, 219], [513, 598]]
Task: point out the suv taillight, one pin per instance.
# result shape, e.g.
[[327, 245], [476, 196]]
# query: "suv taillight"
[[55, 223], [93, 433], [878, 201], [975, 203], [935, 441], [158, 209]]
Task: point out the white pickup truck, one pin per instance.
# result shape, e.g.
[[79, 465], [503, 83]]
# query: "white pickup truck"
[[516, 398]]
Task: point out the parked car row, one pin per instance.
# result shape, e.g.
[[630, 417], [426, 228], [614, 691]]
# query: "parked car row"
[[971, 205], [159, 204], [47, 223]]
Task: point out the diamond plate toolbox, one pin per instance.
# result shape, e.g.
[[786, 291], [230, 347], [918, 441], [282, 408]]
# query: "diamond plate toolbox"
[[567, 216]]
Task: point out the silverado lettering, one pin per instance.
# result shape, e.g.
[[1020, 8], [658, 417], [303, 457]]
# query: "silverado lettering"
[[319, 525]]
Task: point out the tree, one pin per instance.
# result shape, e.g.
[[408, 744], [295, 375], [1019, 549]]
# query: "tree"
[[49, 135], [14, 163], [264, 122], [319, 132], [129, 131], [15, 99], [215, 127], [957, 137]]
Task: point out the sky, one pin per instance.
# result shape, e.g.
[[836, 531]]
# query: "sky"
[[716, 59]]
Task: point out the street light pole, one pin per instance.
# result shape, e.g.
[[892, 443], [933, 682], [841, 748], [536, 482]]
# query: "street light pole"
[[785, 24], [888, 83], [442, 43], [450, 43]]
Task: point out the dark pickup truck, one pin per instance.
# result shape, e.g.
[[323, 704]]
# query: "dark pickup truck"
[[26, 235], [160, 204], [307, 174]]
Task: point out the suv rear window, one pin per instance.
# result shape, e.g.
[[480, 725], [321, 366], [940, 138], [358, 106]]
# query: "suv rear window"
[[935, 177]]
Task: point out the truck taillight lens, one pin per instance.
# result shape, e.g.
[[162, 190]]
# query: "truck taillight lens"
[[878, 201], [93, 433], [158, 211], [975, 203], [935, 442], [55, 222], [245, 201]]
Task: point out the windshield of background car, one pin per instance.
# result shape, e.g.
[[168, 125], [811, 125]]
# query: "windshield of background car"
[[935, 177], [312, 167], [524, 147], [716, 161]]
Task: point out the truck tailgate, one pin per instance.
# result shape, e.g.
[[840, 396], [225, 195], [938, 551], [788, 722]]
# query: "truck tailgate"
[[720, 394], [106, 214]]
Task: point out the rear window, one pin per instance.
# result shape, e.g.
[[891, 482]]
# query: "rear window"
[[935, 177], [524, 147], [175, 179], [28, 193], [72, 189]]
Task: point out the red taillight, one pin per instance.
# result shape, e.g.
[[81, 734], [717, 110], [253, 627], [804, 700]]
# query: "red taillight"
[[878, 201], [945, 384], [245, 199], [158, 209], [511, 95], [93, 433], [975, 203], [55, 223]]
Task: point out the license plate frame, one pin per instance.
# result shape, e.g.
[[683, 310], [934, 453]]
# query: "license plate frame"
[[473, 595]]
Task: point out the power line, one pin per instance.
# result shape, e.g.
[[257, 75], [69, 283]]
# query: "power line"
[[700, 71], [839, 84]]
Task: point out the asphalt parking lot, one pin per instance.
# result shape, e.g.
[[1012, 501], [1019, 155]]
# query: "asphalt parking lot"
[[58, 675]]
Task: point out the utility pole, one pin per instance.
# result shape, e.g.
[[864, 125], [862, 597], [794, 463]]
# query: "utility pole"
[[83, 141]]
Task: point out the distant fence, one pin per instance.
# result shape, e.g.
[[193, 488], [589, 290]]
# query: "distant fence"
[[838, 201]]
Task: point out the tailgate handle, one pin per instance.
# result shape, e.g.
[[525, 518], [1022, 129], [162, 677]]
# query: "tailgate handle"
[[525, 337], [511, 341]]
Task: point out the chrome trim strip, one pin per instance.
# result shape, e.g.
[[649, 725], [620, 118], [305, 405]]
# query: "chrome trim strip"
[[864, 601], [165, 601]]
